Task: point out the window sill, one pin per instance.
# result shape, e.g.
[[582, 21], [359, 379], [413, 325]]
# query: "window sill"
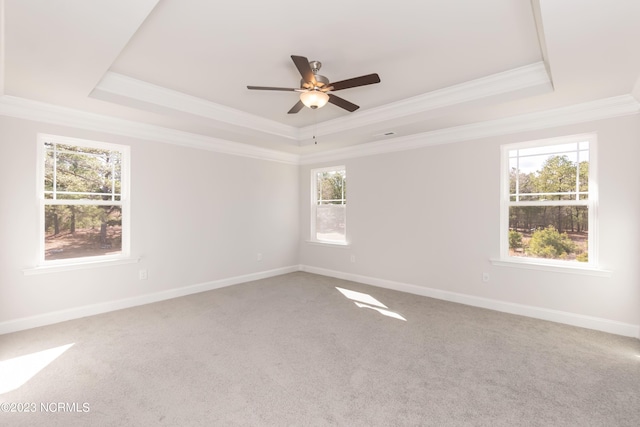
[[78, 265], [569, 269], [331, 244]]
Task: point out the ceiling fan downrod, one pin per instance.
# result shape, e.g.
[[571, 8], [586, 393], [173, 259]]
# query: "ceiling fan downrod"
[[321, 81]]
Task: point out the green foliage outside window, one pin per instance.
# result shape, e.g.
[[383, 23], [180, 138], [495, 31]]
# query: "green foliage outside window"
[[331, 187], [515, 239], [549, 243]]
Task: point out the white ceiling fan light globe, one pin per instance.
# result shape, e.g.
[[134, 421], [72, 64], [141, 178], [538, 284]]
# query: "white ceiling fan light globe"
[[314, 99]]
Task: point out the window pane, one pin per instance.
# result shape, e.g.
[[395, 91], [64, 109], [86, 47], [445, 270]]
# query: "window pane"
[[548, 163], [330, 222], [548, 176], [82, 231], [48, 171], [82, 173], [554, 232], [331, 187]]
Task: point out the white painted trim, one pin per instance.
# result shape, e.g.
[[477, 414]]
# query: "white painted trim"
[[39, 111], [83, 265], [328, 244], [124, 203], [573, 319], [599, 324], [542, 41], [570, 268], [314, 204], [589, 111], [527, 77], [141, 91], [591, 267], [104, 307]]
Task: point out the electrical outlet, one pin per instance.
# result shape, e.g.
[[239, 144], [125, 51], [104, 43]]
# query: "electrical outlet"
[[143, 274], [259, 257], [485, 277], [353, 258]]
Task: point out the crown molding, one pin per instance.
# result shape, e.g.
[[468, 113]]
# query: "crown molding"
[[529, 77], [119, 85], [542, 40], [584, 112], [34, 110]]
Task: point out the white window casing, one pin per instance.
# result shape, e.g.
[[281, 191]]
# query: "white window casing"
[[328, 206], [55, 194], [517, 173]]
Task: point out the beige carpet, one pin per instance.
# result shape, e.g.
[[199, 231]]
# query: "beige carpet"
[[295, 351]]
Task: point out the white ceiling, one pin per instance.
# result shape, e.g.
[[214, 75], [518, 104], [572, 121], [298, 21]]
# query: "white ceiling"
[[185, 64]]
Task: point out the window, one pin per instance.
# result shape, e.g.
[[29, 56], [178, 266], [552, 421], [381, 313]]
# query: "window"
[[329, 205], [83, 191], [549, 201]]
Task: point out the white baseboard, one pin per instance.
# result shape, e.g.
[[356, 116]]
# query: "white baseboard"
[[573, 319], [93, 309]]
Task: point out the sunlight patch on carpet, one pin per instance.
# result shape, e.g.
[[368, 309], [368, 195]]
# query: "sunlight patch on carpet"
[[363, 300], [381, 311], [17, 371], [359, 296]]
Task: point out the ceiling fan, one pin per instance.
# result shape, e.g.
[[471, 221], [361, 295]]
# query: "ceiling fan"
[[315, 90]]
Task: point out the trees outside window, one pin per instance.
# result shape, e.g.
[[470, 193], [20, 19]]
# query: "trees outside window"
[[329, 204], [84, 200], [548, 200]]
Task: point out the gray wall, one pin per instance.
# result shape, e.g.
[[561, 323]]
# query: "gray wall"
[[196, 216], [429, 218]]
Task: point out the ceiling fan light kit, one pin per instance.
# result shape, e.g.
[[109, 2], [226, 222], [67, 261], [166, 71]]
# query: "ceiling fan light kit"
[[315, 88], [314, 99]]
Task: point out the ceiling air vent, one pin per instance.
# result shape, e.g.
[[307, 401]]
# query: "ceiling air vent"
[[389, 133]]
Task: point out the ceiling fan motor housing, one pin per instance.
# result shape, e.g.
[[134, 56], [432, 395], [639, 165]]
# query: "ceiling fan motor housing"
[[315, 66], [321, 81]]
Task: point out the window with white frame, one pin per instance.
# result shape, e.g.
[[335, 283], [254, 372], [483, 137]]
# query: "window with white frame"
[[84, 203], [549, 200], [329, 205]]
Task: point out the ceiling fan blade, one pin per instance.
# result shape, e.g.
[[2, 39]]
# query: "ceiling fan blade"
[[302, 64], [342, 103], [299, 105], [369, 79], [272, 88]]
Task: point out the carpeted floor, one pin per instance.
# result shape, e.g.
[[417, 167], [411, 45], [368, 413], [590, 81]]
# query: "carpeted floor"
[[295, 351]]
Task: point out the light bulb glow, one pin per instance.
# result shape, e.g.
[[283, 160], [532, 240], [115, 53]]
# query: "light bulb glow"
[[314, 99]]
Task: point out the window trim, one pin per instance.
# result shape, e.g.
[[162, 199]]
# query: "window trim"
[[592, 205], [43, 269], [313, 204], [124, 202]]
